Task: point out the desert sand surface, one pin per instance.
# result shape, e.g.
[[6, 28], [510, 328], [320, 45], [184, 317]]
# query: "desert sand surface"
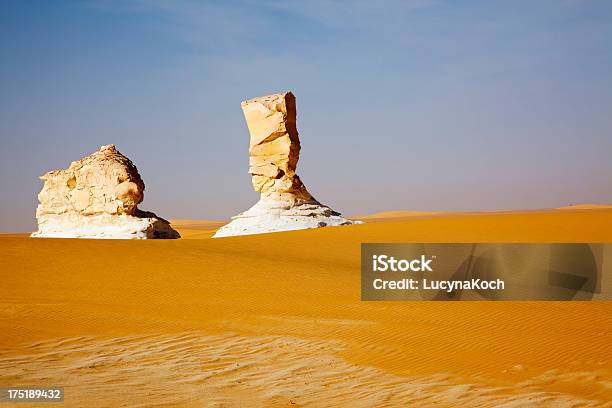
[[276, 320], [394, 215], [586, 207], [196, 229]]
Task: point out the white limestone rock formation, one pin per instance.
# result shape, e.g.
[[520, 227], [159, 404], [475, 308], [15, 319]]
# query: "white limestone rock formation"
[[97, 197], [274, 150]]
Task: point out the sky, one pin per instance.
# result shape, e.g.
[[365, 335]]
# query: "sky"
[[402, 105]]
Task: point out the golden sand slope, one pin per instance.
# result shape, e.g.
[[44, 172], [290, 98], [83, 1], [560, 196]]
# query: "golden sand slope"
[[395, 215], [275, 319], [196, 229], [586, 207]]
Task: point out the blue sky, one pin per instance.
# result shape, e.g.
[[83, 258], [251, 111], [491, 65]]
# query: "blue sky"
[[424, 105]]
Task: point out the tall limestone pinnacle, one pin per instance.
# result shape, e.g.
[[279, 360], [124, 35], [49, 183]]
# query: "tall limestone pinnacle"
[[97, 197], [274, 150]]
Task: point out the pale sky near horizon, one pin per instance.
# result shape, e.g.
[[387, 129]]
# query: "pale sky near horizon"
[[412, 105]]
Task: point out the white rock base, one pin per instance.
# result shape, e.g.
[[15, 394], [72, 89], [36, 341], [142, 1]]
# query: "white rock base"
[[270, 215], [103, 226]]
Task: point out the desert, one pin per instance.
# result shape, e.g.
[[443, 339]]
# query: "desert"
[[276, 320], [321, 204]]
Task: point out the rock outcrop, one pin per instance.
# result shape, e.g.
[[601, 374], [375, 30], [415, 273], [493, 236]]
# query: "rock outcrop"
[[274, 150], [97, 197]]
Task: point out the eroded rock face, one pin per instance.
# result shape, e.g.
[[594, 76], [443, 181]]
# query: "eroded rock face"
[[97, 197], [274, 150]]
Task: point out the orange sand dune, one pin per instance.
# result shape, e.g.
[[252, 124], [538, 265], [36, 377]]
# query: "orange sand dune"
[[586, 207], [196, 229], [396, 214], [275, 320]]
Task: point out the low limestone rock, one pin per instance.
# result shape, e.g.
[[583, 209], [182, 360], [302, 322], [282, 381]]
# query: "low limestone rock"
[[97, 197], [274, 150]]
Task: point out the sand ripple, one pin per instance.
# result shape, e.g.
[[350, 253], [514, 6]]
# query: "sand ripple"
[[194, 369]]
